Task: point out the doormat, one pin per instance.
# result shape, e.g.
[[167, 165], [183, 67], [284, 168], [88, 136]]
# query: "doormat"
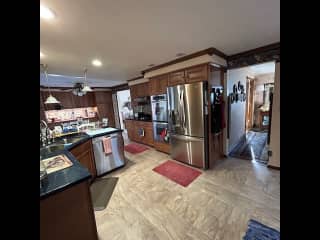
[[178, 173], [259, 231], [101, 192], [135, 148]]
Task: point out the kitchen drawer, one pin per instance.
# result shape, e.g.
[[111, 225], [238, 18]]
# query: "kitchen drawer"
[[162, 147]]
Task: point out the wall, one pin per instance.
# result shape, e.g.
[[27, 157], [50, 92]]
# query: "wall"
[[237, 111], [274, 160]]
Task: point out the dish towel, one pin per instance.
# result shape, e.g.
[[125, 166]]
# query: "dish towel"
[[107, 145]]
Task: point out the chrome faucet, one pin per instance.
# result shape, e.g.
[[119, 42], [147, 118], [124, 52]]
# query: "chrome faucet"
[[44, 137]]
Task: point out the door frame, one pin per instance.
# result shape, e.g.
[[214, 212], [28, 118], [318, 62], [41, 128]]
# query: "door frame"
[[249, 103]]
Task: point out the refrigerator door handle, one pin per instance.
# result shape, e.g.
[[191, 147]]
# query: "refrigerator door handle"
[[182, 112]]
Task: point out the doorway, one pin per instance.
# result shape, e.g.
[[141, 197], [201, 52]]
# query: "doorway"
[[250, 140], [124, 109]]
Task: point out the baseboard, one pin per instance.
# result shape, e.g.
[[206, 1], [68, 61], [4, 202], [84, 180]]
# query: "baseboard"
[[274, 167]]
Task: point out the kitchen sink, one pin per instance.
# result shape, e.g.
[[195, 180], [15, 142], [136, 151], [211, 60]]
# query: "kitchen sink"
[[70, 140], [51, 148]]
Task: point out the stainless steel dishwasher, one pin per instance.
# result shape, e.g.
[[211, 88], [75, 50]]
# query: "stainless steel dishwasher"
[[107, 162]]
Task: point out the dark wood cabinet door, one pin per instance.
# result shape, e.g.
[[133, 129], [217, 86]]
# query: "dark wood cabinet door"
[[102, 97], [163, 84], [66, 99], [148, 132], [106, 111], [84, 154], [176, 78], [140, 90], [90, 99], [153, 86], [133, 92], [87, 160], [158, 85], [197, 74]]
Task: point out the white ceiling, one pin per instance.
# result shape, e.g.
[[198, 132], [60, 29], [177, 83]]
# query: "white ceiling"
[[128, 35]]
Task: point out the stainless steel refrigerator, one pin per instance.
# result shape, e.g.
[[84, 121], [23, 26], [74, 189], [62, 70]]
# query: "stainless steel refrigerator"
[[188, 123]]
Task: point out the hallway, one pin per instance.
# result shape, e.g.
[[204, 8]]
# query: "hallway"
[[252, 147]]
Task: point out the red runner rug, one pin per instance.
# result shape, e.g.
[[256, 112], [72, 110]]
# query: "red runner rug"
[[135, 148], [178, 173]]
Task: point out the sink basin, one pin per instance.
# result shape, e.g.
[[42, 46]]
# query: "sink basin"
[[51, 148], [70, 140]]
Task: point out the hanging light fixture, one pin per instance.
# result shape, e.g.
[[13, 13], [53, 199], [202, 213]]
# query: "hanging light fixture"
[[51, 99], [86, 87]]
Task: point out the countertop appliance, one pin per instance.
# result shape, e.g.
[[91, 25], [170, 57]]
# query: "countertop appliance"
[[188, 123], [107, 162]]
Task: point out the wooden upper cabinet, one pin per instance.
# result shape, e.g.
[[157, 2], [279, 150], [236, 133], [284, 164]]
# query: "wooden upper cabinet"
[[176, 78], [153, 86], [163, 82], [197, 74], [139, 90], [158, 85], [102, 97]]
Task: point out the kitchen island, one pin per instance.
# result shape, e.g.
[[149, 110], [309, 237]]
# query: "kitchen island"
[[66, 210]]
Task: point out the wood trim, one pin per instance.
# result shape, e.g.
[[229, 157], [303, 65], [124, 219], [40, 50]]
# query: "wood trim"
[[274, 167], [263, 54], [209, 51], [120, 87], [135, 78], [255, 51]]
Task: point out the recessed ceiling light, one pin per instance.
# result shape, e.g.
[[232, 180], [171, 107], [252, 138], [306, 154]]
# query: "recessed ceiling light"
[[180, 54], [46, 13], [41, 54], [96, 63]]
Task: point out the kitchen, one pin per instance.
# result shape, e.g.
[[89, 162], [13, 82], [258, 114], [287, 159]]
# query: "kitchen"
[[159, 179]]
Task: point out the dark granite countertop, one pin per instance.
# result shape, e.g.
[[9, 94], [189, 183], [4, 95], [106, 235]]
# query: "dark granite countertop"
[[59, 180]]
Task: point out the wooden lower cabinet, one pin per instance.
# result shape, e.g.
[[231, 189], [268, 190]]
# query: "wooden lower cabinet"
[[133, 127], [84, 154], [68, 215], [162, 147]]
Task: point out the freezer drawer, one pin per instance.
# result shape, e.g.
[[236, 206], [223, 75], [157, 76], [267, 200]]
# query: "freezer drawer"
[[187, 149]]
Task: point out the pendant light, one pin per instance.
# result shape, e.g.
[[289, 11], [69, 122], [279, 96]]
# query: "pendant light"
[[86, 87], [51, 99]]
